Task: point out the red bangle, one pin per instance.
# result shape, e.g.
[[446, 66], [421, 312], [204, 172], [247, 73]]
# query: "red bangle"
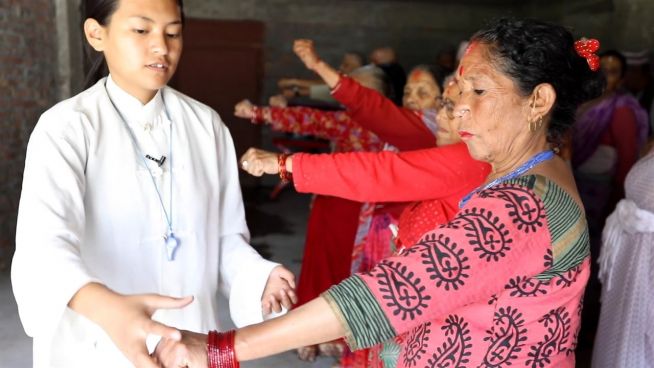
[[220, 350], [284, 175]]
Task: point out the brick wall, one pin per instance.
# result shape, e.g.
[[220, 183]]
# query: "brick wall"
[[27, 88]]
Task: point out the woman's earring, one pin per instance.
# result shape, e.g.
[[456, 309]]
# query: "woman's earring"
[[534, 125]]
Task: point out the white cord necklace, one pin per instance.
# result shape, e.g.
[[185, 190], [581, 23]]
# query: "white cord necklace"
[[170, 240]]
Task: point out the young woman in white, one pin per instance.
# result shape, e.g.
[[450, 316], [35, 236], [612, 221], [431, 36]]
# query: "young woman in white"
[[130, 190]]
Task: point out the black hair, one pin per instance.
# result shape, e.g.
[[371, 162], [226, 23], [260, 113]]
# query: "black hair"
[[101, 11], [532, 52], [435, 71], [616, 54]]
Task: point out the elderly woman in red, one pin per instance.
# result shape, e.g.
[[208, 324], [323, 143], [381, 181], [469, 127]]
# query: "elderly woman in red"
[[501, 284]]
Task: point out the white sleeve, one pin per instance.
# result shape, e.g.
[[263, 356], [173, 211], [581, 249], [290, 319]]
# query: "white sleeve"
[[243, 271], [47, 269]]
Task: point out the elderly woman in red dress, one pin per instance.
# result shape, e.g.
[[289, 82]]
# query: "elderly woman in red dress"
[[500, 284]]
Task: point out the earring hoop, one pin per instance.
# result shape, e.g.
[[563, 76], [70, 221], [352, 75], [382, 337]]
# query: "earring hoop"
[[534, 125]]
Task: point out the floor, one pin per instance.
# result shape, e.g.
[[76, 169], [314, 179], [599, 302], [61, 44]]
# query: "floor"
[[277, 228]]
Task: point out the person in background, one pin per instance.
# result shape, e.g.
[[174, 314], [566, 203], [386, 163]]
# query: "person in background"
[[499, 285], [624, 332], [386, 58], [411, 126], [333, 222], [638, 80], [131, 188], [606, 141]]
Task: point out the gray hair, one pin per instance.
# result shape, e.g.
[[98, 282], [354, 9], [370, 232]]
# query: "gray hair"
[[378, 79]]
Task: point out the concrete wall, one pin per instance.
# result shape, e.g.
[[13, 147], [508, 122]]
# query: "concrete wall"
[[28, 86], [416, 29]]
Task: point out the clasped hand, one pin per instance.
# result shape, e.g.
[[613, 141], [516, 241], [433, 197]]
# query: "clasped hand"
[[191, 350]]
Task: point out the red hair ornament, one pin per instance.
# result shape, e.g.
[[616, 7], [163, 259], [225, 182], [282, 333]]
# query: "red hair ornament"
[[586, 48]]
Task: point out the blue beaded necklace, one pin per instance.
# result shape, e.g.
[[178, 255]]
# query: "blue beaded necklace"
[[533, 161], [171, 241]]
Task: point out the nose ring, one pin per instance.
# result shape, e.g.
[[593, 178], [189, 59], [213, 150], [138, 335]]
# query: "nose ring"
[[462, 112]]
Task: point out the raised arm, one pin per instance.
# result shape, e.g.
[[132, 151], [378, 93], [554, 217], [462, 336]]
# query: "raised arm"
[[384, 176], [403, 128]]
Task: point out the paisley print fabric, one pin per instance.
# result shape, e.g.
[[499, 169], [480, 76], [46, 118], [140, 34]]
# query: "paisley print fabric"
[[498, 286]]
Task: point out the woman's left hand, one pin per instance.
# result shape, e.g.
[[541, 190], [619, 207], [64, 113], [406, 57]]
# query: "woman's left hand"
[[279, 291], [244, 109], [258, 162], [189, 352]]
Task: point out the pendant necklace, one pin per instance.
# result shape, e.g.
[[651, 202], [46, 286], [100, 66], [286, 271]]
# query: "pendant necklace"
[[170, 240], [533, 161]]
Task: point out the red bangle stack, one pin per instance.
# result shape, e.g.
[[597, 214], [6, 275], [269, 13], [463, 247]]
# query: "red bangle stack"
[[220, 350], [284, 175]]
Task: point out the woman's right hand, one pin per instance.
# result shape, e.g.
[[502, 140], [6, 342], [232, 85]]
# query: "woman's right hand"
[[127, 319], [304, 49], [244, 109], [258, 162]]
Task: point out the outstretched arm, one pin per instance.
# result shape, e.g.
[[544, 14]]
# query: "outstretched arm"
[[336, 126], [311, 323], [378, 176]]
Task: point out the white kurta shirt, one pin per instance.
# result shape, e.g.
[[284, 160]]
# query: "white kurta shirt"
[[89, 212]]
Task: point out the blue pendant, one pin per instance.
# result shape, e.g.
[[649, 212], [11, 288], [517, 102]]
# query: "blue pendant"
[[172, 243]]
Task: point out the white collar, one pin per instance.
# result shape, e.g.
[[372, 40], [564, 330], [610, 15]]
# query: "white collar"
[[132, 109]]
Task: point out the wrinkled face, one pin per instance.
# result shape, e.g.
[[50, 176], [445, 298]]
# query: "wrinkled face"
[[611, 68], [143, 45], [420, 91], [349, 63], [493, 115], [448, 124]]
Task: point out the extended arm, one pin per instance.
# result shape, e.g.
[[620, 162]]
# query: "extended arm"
[[336, 126], [382, 176]]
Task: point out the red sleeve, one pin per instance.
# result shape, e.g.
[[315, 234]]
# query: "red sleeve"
[[403, 128], [388, 176], [337, 126], [624, 134]]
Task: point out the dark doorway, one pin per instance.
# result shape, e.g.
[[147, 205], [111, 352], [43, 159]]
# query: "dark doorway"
[[222, 63]]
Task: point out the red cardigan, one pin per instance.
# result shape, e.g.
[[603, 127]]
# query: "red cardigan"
[[439, 177]]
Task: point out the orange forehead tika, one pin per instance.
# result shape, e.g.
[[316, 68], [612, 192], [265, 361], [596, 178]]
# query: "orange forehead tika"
[[416, 75], [470, 47]]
